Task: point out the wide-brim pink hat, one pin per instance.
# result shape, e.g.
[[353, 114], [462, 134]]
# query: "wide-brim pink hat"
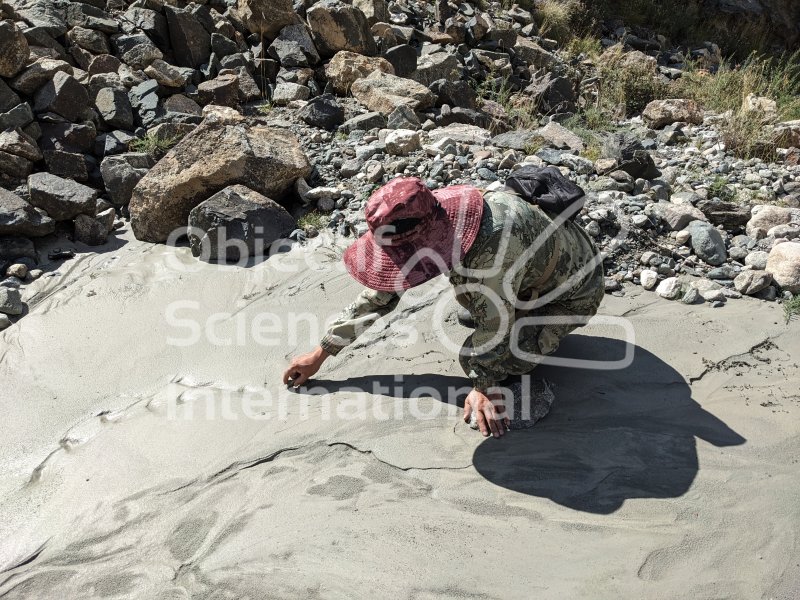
[[414, 234]]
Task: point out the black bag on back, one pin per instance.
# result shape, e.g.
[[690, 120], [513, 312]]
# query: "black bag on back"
[[548, 189]]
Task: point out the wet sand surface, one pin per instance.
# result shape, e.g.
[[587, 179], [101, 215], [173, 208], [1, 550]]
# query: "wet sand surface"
[[135, 467]]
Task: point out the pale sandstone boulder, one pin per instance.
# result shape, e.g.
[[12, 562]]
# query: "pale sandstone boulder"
[[267, 17], [345, 68], [660, 113], [765, 217], [383, 93], [784, 266], [215, 155]]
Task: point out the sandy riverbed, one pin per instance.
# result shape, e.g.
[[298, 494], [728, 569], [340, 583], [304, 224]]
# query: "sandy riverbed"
[[132, 466]]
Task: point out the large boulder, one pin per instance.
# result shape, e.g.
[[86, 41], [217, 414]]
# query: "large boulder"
[[63, 95], [121, 173], [14, 49], [215, 155], [323, 112], [267, 17], [751, 282], [784, 266], [730, 215], [18, 217], [376, 11], [235, 223], [191, 43], [383, 93], [345, 68], [558, 136], [660, 113], [765, 217], [533, 54], [337, 26], [294, 47], [435, 66], [136, 50], [37, 74], [62, 199], [114, 108], [707, 242], [676, 216]]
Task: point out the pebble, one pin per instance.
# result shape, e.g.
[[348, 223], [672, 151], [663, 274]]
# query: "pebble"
[[649, 279], [670, 288]]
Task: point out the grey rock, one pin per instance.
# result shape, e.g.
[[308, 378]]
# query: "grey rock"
[[88, 230], [454, 93], [323, 112], [707, 242], [19, 217], [757, 260], [89, 39], [294, 47], [289, 92], [10, 301], [403, 58], [136, 50], [220, 91], [19, 116], [237, 214], [62, 163], [62, 199], [191, 43], [44, 14], [435, 66], [403, 117], [14, 49], [692, 296], [151, 23], [521, 139], [8, 98], [365, 122], [337, 26], [114, 108], [752, 282], [63, 95], [218, 153], [122, 172]]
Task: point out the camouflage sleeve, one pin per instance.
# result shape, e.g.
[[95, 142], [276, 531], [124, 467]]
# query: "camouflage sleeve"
[[494, 314], [370, 306]]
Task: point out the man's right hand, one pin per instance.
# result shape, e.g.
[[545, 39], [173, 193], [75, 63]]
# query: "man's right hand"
[[305, 366]]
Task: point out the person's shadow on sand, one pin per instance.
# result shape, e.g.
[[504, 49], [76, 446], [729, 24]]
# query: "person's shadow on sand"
[[610, 436]]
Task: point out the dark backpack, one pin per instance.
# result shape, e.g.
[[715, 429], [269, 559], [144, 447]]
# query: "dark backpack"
[[548, 189]]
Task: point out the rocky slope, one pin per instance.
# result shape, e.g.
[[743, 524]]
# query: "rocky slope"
[[276, 109]]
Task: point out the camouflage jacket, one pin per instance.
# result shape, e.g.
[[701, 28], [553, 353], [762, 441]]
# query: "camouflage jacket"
[[520, 259]]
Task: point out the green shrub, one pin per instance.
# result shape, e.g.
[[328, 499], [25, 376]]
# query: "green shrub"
[[777, 78], [313, 219], [791, 308], [744, 135], [154, 145], [556, 18], [628, 85], [719, 189]]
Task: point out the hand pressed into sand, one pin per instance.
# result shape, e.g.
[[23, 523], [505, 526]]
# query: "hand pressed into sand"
[[304, 367], [490, 412]]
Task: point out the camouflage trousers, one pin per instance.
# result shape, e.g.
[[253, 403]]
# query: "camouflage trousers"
[[574, 308]]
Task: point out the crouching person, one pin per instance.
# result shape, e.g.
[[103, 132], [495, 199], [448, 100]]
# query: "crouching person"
[[525, 277]]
